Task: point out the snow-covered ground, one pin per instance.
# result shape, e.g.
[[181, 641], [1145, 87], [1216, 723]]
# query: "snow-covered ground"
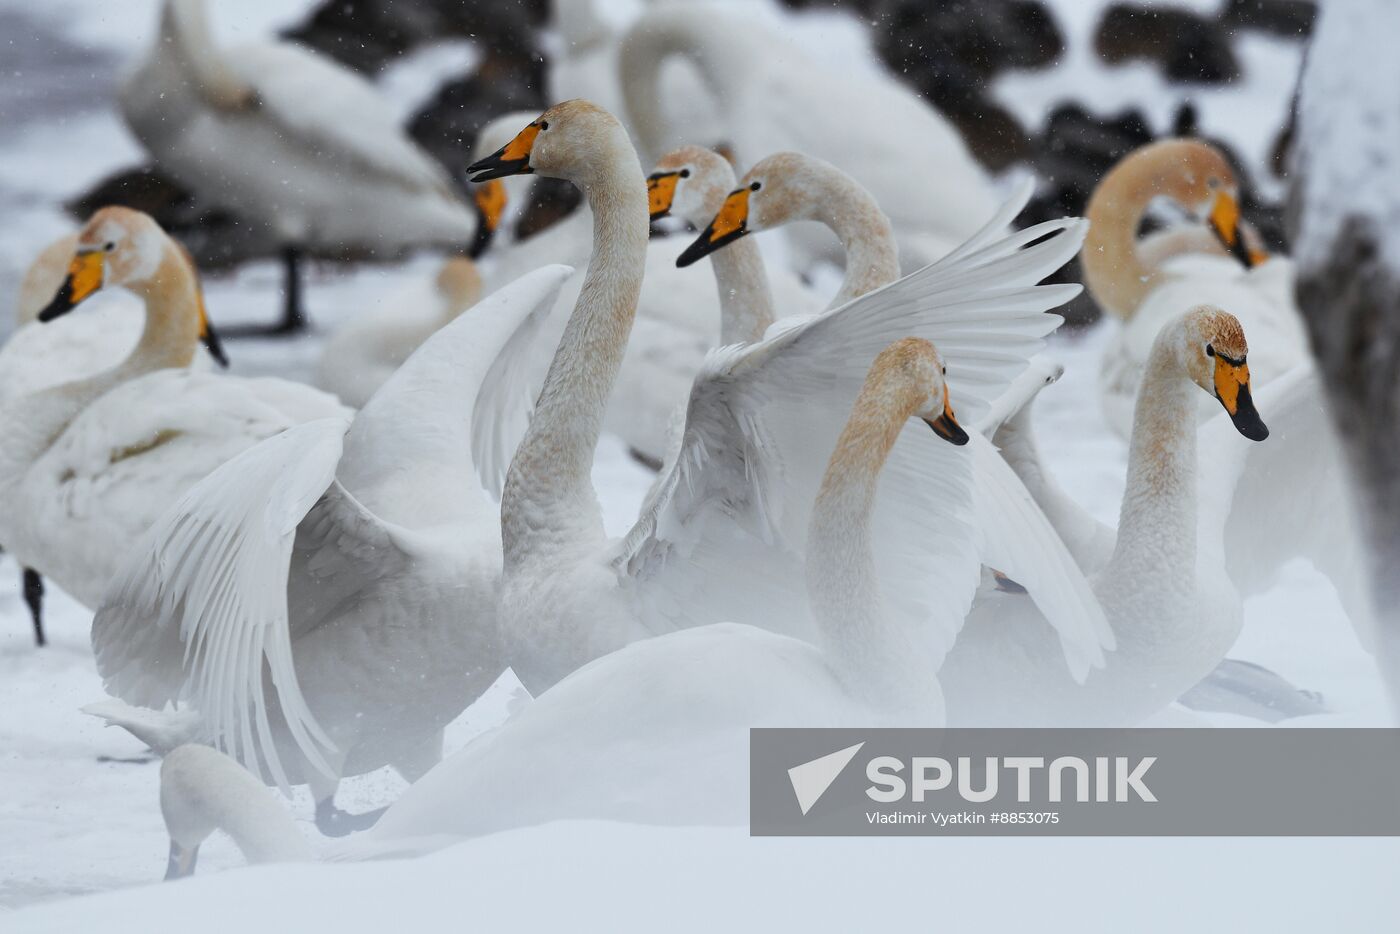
[[78, 806]]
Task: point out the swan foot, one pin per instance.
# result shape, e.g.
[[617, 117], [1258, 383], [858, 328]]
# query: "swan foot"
[[333, 822], [294, 319], [34, 599]]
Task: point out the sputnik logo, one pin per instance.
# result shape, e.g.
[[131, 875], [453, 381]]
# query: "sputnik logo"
[[810, 780]]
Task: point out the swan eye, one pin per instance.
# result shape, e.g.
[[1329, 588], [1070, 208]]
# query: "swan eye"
[[755, 186], [1210, 351], [1212, 182], [109, 246], [945, 371], [685, 173], [544, 125]]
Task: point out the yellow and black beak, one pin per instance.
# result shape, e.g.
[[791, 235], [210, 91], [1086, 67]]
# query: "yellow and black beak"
[[490, 201], [84, 277], [207, 335], [947, 427], [1224, 222], [661, 193], [511, 159], [731, 223], [181, 861], [1232, 389]]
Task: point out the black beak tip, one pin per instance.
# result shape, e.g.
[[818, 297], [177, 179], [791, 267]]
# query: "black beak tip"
[[693, 253], [1252, 428]]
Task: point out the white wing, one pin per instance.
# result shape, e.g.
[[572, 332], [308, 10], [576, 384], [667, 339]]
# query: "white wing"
[[202, 604], [1018, 540], [762, 419], [1286, 497], [224, 580]]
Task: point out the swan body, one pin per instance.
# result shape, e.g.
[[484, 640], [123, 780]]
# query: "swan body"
[[90, 463], [1148, 284], [361, 356], [287, 138], [683, 752], [360, 566], [772, 97], [731, 505], [1162, 580]]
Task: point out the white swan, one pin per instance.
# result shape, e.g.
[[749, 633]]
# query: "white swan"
[[1148, 290], [288, 139], [657, 732], [89, 464], [39, 355], [679, 319], [691, 183], [772, 97], [732, 507], [362, 354], [1162, 578], [360, 566]]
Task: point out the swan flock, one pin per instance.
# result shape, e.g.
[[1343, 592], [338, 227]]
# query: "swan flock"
[[850, 522]]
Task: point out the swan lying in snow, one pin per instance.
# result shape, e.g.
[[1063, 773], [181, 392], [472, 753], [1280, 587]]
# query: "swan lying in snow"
[[1124, 280], [88, 465], [672, 714]]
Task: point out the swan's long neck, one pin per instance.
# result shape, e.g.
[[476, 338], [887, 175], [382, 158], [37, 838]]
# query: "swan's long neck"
[[872, 254], [745, 299], [1116, 274], [202, 791], [548, 502], [1155, 552], [170, 339], [186, 39], [721, 57], [877, 660]]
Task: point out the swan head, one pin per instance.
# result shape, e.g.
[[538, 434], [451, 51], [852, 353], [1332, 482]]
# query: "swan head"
[[117, 246], [492, 197], [1197, 176], [691, 183], [1215, 356], [776, 191], [912, 376], [124, 247], [574, 141]]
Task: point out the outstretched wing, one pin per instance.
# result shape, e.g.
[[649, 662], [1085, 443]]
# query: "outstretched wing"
[[1289, 496], [762, 419], [202, 604], [1018, 539]]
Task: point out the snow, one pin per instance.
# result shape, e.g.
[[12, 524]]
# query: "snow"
[[1350, 119], [78, 812]]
